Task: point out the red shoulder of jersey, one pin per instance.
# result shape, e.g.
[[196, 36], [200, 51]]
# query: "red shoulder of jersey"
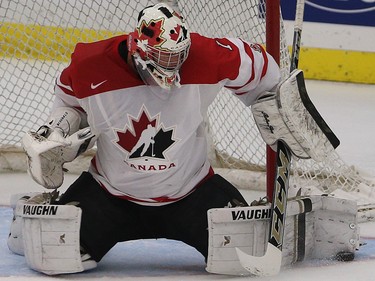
[[98, 67], [210, 60]]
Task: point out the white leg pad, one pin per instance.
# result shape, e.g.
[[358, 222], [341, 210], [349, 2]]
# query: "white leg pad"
[[52, 244], [320, 227], [317, 227], [15, 238], [245, 227]]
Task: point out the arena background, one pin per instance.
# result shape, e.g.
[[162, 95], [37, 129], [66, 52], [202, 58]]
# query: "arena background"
[[338, 39]]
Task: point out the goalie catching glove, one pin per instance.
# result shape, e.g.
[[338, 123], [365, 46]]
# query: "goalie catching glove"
[[51, 146], [290, 115]]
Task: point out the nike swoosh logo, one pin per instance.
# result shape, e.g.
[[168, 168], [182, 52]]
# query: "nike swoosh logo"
[[94, 86]]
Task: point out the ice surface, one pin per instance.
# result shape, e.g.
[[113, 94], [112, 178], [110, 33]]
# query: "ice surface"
[[347, 108]]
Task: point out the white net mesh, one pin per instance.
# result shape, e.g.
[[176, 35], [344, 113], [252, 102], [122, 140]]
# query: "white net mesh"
[[37, 38]]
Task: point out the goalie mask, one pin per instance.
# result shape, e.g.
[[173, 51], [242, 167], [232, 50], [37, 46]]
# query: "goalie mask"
[[159, 45]]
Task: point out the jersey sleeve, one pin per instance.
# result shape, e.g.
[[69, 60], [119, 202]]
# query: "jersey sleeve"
[[242, 67], [64, 95], [257, 71]]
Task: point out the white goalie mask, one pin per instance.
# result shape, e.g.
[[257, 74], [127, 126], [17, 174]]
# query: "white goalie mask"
[[159, 45]]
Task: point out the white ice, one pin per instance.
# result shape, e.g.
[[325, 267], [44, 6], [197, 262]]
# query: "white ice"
[[349, 109]]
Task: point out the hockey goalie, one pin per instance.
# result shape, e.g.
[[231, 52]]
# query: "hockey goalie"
[[141, 99]]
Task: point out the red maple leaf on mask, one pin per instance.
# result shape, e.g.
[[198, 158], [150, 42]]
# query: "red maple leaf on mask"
[[156, 31], [174, 36]]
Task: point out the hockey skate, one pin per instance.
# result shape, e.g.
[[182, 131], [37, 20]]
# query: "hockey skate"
[[87, 261]]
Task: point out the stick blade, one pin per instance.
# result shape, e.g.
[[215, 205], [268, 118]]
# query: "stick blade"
[[267, 265]]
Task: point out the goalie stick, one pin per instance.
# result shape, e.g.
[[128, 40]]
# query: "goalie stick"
[[270, 263]]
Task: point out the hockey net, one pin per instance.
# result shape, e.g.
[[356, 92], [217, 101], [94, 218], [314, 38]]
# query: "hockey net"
[[37, 38]]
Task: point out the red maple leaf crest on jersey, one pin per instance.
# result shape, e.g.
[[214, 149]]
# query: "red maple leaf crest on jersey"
[[129, 138], [145, 136]]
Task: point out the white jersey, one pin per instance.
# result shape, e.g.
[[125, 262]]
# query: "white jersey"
[[151, 147]]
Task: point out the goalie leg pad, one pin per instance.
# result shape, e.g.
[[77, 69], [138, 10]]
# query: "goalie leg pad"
[[15, 237], [243, 227], [317, 227], [290, 115], [52, 245], [320, 227]]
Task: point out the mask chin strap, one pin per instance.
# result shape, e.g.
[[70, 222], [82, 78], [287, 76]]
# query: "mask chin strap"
[[138, 60], [177, 80]]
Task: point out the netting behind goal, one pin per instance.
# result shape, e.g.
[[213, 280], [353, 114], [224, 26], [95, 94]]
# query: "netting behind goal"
[[37, 38]]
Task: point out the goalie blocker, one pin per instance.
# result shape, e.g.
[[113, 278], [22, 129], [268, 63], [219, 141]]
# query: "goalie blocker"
[[317, 227], [290, 115]]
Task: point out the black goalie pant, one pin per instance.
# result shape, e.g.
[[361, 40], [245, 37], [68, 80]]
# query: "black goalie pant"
[[107, 220]]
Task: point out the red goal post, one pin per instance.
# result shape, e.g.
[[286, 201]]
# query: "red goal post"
[[273, 48], [37, 38]]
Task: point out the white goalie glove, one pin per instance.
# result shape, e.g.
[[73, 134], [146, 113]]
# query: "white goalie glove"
[[290, 115], [50, 147]]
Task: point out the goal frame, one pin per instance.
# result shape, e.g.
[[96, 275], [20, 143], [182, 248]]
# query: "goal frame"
[[39, 37], [273, 48]]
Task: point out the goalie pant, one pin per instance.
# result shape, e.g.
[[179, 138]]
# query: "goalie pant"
[[317, 227]]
